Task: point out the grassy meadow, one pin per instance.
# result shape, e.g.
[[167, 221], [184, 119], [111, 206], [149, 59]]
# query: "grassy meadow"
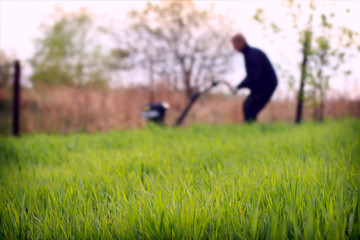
[[259, 181]]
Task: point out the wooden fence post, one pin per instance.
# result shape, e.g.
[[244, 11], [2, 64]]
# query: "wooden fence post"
[[16, 100]]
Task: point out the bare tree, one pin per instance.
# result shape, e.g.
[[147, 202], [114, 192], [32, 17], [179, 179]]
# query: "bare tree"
[[175, 39]]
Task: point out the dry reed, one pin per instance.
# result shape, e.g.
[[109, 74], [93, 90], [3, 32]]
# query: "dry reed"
[[65, 110]]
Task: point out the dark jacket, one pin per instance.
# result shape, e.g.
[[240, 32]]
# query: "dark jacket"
[[260, 75]]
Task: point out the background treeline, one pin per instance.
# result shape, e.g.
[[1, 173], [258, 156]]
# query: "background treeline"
[[79, 60]]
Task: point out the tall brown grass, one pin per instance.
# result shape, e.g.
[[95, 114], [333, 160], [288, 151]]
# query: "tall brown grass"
[[66, 110]]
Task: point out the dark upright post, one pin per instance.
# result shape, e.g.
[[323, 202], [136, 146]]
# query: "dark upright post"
[[16, 100]]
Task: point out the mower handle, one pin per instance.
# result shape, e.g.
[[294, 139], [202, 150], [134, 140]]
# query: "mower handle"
[[232, 90], [197, 95]]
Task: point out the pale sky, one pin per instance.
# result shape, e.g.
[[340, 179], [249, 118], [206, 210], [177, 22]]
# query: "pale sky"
[[20, 21]]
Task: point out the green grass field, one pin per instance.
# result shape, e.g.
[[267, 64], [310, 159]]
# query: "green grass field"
[[260, 181]]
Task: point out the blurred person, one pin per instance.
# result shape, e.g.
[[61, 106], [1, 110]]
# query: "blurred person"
[[260, 78]]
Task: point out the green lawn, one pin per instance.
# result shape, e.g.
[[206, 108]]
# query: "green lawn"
[[273, 181]]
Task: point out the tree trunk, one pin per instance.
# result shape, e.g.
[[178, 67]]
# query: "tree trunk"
[[300, 97], [151, 87], [188, 89], [16, 100]]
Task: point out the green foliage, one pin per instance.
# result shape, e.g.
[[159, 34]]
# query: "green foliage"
[[323, 51], [254, 181], [259, 16], [68, 53]]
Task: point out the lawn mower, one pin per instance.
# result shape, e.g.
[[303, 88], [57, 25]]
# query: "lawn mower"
[[155, 112]]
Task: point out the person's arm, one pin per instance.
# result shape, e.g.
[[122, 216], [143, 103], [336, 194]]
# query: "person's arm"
[[244, 84], [253, 72]]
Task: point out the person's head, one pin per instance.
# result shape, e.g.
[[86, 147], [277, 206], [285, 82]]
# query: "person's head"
[[238, 41]]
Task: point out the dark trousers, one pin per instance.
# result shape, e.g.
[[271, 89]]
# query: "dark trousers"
[[254, 103]]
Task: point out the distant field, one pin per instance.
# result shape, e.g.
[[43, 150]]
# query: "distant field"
[[67, 110], [260, 181]]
